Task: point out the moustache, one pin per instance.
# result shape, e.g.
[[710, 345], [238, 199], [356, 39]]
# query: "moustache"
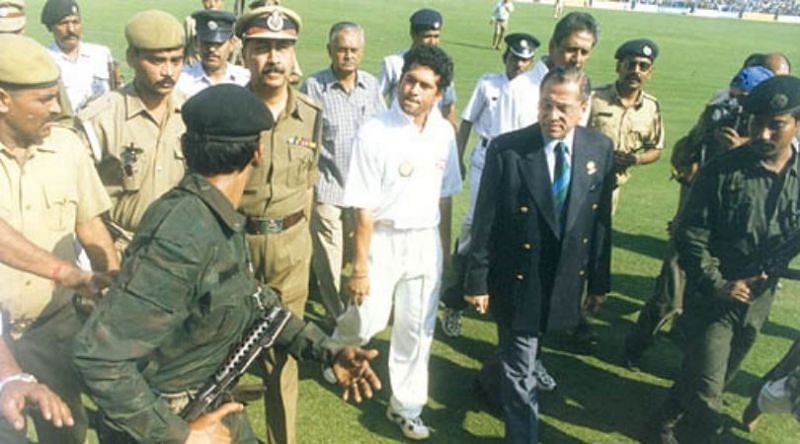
[[270, 69], [165, 83]]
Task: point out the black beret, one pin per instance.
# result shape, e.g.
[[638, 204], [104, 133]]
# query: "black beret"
[[426, 20], [522, 45], [214, 25], [226, 113], [776, 95], [639, 47], [55, 10]]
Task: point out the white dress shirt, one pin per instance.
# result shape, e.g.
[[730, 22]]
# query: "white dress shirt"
[[194, 79], [88, 76]]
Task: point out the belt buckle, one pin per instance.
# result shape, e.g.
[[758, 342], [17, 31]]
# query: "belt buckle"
[[273, 225]]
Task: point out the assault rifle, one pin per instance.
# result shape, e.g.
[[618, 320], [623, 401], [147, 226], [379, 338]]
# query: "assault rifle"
[[261, 336]]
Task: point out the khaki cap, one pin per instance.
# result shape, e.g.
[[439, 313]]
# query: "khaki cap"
[[12, 15], [269, 22], [154, 29], [24, 62]]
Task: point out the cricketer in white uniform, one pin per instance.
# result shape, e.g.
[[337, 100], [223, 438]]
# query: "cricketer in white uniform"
[[426, 29], [404, 169]]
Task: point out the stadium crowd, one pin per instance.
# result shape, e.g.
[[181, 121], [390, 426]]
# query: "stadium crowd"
[[159, 237]]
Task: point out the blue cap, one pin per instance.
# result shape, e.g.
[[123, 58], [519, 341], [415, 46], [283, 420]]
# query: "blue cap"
[[426, 20], [214, 26], [748, 78]]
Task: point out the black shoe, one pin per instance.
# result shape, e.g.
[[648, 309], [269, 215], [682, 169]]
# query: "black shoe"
[[751, 415], [585, 339]]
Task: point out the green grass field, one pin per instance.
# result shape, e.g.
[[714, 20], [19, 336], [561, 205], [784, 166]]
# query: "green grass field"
[[597, 400]]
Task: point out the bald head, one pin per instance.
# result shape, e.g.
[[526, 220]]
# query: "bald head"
[[778, 63]]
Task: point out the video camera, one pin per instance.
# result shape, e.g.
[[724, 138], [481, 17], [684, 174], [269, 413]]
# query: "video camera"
[[727, 113]]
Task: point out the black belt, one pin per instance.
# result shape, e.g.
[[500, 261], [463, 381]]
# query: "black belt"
[[264, 225]]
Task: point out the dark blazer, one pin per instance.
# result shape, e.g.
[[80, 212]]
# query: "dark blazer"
[[534, 276]]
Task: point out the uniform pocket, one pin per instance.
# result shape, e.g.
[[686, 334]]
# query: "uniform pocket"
[[301, 159], [62, 207]]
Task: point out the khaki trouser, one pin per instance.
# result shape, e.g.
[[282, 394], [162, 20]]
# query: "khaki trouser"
[[282, 262], [45, 351], [332, 230]]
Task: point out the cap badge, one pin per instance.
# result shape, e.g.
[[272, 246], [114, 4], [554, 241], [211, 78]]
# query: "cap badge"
[[648, 51], [212, 25], [74, 9], [275, 21], [523, 44], [436, 25], [778, 101]]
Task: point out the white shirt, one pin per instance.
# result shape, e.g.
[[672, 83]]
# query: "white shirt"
[[550, 151], [502, 10], [401, 173], [482, 110], [88, 76], [194, 79], [389, 79]]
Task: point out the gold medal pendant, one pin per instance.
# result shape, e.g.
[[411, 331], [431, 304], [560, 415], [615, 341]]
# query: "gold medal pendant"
[[406, 168]]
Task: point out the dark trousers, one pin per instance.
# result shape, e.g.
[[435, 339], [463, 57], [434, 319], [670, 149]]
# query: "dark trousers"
[[719, 340], [45, 351], [518, 385], [453, 294], [664, 304]]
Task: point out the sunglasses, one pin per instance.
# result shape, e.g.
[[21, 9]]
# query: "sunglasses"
[[643, 65]]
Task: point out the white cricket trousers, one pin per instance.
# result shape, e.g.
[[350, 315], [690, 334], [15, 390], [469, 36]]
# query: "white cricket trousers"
[[405, 270]]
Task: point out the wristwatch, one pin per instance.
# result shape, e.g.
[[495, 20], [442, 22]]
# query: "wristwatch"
[[23, 377]]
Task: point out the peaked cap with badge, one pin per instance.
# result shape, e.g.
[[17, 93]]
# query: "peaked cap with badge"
[[153, 30], [213, 25], [426, 20], [24, 63], [55, 10], [638, 48], [269, 22], [522, 45], [777, 95], [12, 15]]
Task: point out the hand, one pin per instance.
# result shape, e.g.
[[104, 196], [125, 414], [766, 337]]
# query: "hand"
[[209, 429], [358, 285], [352, 370], [730, 138], [15, 395], [479, 301], [739, 290], [85, 283], [593, 302], [623, 161]]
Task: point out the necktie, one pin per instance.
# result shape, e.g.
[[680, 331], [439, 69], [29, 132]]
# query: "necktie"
[[561, 179]]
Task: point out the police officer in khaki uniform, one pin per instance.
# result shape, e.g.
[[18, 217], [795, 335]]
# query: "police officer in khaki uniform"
[[51, 194], [628, 115], [135, 132], [277, 199]]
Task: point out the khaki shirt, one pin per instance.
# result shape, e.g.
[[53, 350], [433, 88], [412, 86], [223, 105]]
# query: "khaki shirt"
[[632, 129], [56, 188], [140, 159], [282, 184]]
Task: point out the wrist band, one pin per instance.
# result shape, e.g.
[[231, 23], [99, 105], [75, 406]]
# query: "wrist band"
[[23, 377]]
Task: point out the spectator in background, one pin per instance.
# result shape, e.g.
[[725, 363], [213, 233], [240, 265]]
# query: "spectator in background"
[[500, 14]]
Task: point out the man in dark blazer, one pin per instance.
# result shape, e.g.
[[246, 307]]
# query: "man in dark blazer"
[[541, 232]]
